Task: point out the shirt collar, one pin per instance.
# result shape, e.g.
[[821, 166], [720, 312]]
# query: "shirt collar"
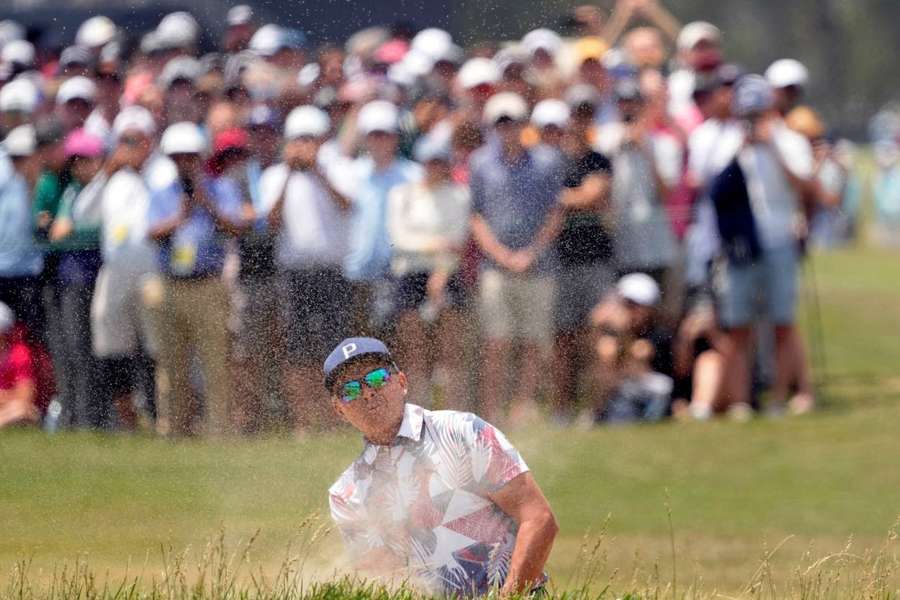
[[411, 427]]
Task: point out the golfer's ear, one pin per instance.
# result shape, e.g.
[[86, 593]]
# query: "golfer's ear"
[[401, 377]]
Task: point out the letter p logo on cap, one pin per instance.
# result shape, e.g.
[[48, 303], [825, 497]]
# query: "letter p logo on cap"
[[348, 350]]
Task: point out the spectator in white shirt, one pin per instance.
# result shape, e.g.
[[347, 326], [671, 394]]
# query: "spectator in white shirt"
[[427, 223], [313, 221], [120, 324]]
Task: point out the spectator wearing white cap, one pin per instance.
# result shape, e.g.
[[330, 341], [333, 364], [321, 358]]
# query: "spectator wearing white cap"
[[770, 175], [75, 100], [477, 80], [543, 47], [310, 220], [122, 334], [21, 261], [516, 216], [178, 81], [178, 33], [18, 381], [373, 177], [551, 118], [18, 55], [18, 101], [95, 33], [788, 78], [633, 353], [191, 221], [428, 223], [699, 47], [239, 30]]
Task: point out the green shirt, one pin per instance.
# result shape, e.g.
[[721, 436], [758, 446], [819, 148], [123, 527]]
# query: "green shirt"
[[47, 193]]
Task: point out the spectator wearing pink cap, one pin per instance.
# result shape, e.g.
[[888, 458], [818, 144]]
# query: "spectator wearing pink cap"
[[75, 237]]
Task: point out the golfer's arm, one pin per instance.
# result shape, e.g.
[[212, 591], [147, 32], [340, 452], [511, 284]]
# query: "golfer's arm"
[[524, 502]]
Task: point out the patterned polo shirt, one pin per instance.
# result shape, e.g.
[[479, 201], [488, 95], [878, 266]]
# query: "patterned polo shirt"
[[422, 502]]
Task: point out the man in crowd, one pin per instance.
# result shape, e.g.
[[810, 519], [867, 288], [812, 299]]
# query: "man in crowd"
[[516, 217], [120, 324], [311, 220], [190, 221], [502, 527], [757, 200]]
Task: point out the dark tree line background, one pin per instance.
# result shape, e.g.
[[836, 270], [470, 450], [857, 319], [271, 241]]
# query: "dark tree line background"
[[850, 46]]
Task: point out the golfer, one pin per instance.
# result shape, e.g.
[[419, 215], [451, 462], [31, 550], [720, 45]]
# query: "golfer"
[[439, 498]]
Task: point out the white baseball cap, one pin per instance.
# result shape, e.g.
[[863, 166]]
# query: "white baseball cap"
[[640, 288], [7, 319], [542, 39], [267, 40], [20, 141], [478, 71], [378, 115], [183, 138], [306, 121], [95, 32], [134, 118], [9, 31], [696, 32], [239, 15], [76, 88], [185, 68], [505, 104], [20, 94], [550, 112], [177, 30], [432, 42], [787, 72], [18, 52]]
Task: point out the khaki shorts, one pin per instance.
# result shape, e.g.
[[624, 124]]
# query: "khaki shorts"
[[120, 322], [517, 306]]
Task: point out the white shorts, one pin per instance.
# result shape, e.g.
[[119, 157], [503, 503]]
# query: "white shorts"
[[517, 306], [120, 322]]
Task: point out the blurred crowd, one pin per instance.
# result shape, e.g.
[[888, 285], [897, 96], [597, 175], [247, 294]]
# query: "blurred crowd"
[[604, 227]]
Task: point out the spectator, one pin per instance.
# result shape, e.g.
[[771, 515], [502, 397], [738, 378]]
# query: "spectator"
[[551, 118], [647, 163], [259, 336], [700, 53], [428, 223], [21, 261], [516, 217], [75, 236], [75, 102], [586, 251], [368, 262], [312, 220], [757, 199], [18, 388], [886, 192], [633, 352], [788, 78], [190, 221], [123, 336]]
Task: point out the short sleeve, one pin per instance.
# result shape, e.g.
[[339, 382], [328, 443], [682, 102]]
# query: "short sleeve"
[[270, 185], [163, 205], [359, 533], [495, 461]]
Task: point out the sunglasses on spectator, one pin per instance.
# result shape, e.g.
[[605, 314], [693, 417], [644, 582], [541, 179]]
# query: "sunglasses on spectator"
[[375, 379]]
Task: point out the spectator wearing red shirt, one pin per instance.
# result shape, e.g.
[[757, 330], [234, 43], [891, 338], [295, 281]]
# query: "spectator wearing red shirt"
[[17, 383]]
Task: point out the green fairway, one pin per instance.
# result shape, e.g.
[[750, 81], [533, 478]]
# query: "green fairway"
[[733, 490]]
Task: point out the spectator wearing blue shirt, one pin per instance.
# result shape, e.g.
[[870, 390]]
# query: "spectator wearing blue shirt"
[[517, 216], [21, 261], [191, 221], [375, 175]]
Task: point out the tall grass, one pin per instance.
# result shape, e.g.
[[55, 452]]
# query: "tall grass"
[[227, 571]]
